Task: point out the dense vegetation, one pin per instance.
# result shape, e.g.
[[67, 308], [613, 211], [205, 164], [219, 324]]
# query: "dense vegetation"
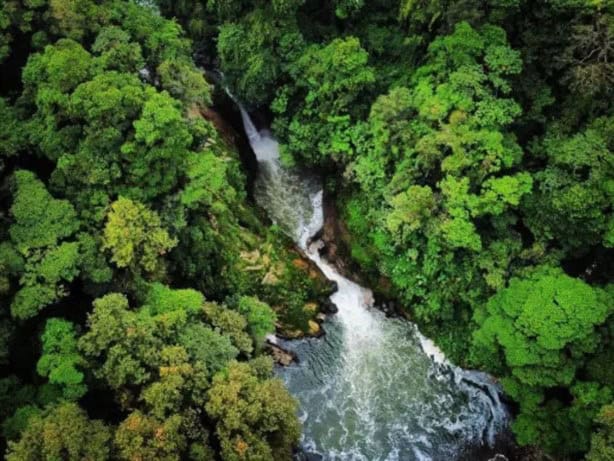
[[469, 145], [137, 282]]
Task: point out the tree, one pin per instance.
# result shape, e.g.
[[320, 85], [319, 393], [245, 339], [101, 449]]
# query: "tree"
[[75, 18], [162, 299], [231, 324], [208, 347], [11, 265], [254, 49], [571, 204], [124, 349], [160, 147], [39, 219], [589, 56], [135, 237], [40, 224], [103, 102], [254, 416], [260, 317], [143, 437], [434, 163], [322, 100], [62, 432], [11, 132], [117, 52], [602, 442], [538, 333], [61, 361], [131, 347], [57, 71], [108, 132], [184, 82]]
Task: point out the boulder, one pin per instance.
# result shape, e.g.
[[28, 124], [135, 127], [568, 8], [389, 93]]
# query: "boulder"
[[315, 329], [281, 356]]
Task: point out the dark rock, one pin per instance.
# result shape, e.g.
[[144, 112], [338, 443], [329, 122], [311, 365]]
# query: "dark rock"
[[334, 249], [230, 124], [504, 449], [307, 456], [499, 457]]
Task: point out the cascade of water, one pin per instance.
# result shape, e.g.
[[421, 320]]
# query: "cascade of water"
[[374, 388], [252, 133]]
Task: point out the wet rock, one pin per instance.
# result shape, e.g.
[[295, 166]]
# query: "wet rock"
[[499, 457], [330, 235], [329, 308], [288, 333], [227, 119], [315, 329], [307, 456], [281, 356]]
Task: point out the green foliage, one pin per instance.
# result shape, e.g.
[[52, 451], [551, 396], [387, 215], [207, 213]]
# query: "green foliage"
[[576, 187], [117, 52], [135, 236], [143, 437], [62, 432], [535, 319], [230, 324], [162, 299], [466, 179], [254, 51], [11, 264], [57, 71], [208, 182], [328, 80], [14, 425], [602, 442], [60, 360], [11, 134], [184, 82], [128, 183], [40, 220], [252, 414], [260, 318], [208, 347], [40, 223], [538, 333], [76, 18], [120, 344], [410, 210], [166, 351], [438, 156]]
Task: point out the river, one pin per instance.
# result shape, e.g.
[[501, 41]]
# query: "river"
[[373, 388]]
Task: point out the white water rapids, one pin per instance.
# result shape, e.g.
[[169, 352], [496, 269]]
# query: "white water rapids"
[[373, 388]]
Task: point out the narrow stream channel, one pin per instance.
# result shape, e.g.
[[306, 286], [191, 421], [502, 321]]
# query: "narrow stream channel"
[[373, 388]]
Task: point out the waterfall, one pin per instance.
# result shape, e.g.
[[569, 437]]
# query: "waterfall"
[[252, 133], [373, 388]]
